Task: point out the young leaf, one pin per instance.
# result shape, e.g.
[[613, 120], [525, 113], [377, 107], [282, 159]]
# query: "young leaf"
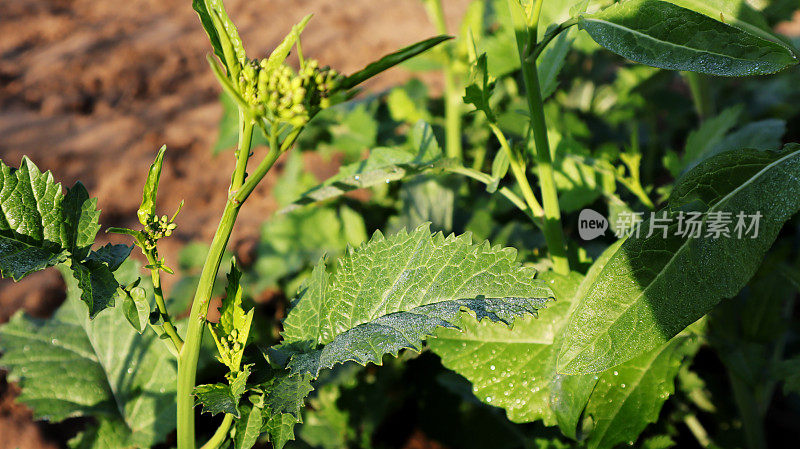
[[233, 329], [228, 45], [479, 92], [99, 367], [248, 428], [660, 34], [418, 282], [390, 61], [281, 52], [150, 190], [280, 429], [654, 287], [136, 308], [383, 165]]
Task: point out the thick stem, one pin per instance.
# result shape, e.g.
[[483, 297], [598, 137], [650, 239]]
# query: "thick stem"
[[526, 34], [187, 363], [219, 436], [452, 97], [190, 353]]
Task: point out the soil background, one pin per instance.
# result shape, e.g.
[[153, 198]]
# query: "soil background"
[[91, 89]]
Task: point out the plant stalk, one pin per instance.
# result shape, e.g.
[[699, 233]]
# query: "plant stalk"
[[701, 94], [187, 362], [526, 26], [190, 353], [219, 436], [452, 97], [167, 326], [518, 169]]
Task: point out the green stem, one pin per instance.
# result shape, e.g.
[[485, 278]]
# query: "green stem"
[[697, 430], [452, 97], [219, 436], [167, 326], [701, 94], [518, 169], [243, 151], [526, 26], [187, 363], [190, 353], [486, 179]]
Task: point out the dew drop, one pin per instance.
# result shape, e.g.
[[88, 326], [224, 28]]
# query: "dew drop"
[[130, 370], [357, 178], [492, 367], [616, 373], [489, 399], [623, 385], [54, 341]]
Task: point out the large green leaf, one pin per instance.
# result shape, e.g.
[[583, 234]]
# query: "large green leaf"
[[654, 287], [516, 370], [511, 368], [383, 165], [71, 366], [393, 292], [661, 34], [40, 226]]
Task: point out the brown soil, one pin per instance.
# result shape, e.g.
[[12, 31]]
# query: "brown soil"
[[91, 89]]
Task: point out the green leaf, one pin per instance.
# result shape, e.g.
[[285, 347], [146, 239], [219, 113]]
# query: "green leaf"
[[551, 61], [511, 368], [285, 393], [660, 34], [228, 45], [710, 133], [71, 366], [281, 52], [624, 401], [383, 165], [81, 220], [480, 91], [390, 61], [111, 255], [136, 308], [208, 24], [97, 284], [248, 428], [150, 190], [652, 288], [217, 398], [38, 226], [233, 329], [281, 429], [418, 282]]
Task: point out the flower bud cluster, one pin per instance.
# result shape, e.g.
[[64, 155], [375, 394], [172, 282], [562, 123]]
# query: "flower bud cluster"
[[282, 95], [229, 346], [157, 228]]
